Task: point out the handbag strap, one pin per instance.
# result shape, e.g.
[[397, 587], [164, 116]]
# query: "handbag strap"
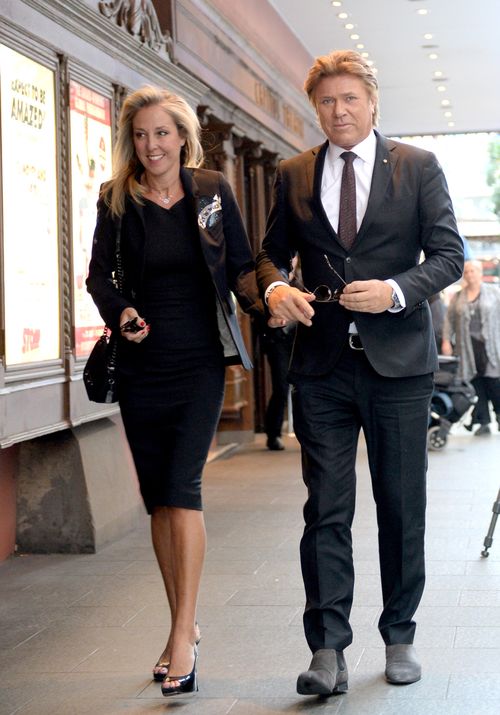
[[118, 256], [118, 274]]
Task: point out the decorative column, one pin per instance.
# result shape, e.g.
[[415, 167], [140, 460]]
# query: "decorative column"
[[237, 418]]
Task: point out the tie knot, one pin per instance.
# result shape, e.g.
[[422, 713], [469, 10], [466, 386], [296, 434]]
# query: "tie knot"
[[348, 156]]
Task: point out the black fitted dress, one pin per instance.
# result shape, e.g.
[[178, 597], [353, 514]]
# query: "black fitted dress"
[[172, 383]]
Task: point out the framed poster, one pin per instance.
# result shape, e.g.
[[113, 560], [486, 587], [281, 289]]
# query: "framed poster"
[[90, 125], [31, 254]]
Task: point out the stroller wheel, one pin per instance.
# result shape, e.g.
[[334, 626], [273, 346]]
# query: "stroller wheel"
[[435, 439]]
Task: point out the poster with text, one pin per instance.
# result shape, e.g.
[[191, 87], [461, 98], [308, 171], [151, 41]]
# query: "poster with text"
[[90, 115], [31, 256]]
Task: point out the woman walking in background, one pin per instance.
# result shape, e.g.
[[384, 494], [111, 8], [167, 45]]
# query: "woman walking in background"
[[184, 248], [472, 331]]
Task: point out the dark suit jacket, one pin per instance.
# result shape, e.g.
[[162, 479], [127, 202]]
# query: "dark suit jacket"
[[409, 211], [225, 248]]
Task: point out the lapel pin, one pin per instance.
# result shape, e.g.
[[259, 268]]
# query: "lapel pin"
[[384, 161]]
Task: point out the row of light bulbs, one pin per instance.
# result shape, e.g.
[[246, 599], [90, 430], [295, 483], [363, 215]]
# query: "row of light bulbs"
[[438, 75], [355, 37]]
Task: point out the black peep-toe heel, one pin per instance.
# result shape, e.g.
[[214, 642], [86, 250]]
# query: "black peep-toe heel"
[[160, 677], [187, 683]]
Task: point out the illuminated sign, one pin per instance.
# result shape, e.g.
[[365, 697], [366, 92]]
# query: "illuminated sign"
[[31, 256], [90, 120]]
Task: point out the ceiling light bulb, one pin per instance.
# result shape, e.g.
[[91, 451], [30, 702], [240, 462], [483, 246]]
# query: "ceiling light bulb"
[[365, 54], [349, 26], [441, 88], [354, 37], [438, 73], [428, 36], [422, 11], [369, 62], [451, 124], [433, 56], [360, 46], [342, 15], [445, 102], [336, 3], [448, 114]]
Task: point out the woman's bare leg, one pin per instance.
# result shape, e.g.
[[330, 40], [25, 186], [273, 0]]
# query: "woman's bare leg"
[[160, 534], [179, 540]]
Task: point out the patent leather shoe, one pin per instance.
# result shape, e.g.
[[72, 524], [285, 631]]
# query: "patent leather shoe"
[[327, 674], [160, 670], [186, 683], [163, 665], [402, 666]]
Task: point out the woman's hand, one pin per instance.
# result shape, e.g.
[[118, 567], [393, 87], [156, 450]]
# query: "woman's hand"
[[446, 348], [132, 326], [287, 304]]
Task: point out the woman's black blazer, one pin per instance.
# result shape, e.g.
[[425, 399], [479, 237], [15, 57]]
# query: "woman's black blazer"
[[224, 244]]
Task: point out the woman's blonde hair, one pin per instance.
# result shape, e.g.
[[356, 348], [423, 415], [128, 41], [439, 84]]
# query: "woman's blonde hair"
[[338, 63], [126, 165]]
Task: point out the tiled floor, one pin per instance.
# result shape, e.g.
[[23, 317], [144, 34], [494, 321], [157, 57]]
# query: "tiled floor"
[[80, 634]]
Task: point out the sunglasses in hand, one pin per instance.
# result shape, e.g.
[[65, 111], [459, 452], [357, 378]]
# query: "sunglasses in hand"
[[324, 293]]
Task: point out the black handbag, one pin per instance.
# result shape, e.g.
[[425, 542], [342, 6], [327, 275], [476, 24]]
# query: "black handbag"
[[100, 371]]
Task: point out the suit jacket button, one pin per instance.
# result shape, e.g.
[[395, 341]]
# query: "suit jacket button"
[[348, 260]]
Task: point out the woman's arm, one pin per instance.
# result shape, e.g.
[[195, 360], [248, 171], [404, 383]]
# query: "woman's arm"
[[100, 283]]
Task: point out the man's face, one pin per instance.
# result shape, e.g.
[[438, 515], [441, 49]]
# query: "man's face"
[[345, 109]]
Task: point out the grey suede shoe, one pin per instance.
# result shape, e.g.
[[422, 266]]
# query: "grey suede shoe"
[[327, 674], [401, 665]]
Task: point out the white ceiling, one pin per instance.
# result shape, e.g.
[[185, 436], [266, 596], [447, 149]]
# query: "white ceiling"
[[467, 35]]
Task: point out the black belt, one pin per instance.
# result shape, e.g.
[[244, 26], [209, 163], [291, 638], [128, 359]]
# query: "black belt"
[[355, 342]]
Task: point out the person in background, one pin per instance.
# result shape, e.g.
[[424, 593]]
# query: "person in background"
[[277, 346], [184, 248], [472, 332], [438, 311], [359, 210]]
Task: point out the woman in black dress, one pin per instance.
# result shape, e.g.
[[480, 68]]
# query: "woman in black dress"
[[183, 248]]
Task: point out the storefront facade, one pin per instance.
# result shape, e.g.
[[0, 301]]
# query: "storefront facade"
[[65, 68]]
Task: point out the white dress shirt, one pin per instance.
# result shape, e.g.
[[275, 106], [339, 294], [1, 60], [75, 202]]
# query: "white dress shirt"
[[330, 194]]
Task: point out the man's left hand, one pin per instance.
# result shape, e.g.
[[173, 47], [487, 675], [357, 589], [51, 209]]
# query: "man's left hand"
[[367, 296]]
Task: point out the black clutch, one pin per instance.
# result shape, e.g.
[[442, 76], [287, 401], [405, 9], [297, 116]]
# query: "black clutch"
[[99, 374]]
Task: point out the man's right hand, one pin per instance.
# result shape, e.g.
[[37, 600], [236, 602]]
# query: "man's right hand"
[[287, 304]]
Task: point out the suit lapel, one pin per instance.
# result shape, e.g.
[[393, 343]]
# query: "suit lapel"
[[386, 159], [316, 171]]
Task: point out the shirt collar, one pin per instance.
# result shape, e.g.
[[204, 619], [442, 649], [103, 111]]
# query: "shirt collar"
[[365, 150]]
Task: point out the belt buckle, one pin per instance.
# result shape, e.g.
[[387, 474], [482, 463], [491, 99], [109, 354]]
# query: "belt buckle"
[[352, 338]]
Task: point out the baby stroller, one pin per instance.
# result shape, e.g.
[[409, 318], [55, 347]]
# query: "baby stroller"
[[451, 398]]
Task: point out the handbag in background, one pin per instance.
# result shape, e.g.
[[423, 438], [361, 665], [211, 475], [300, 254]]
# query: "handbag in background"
[[100, 371]]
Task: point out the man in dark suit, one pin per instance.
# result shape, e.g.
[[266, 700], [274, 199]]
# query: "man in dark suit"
[[364, 353]]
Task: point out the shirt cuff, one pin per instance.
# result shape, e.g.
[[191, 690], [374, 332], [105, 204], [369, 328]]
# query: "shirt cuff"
[[271, 286], [400, 295]]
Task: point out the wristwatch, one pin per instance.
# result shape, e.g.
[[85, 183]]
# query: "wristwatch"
[[395, 300]]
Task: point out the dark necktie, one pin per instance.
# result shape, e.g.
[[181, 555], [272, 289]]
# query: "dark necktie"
[[347, 206]]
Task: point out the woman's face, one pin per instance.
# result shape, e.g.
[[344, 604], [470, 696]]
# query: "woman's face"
[[157, 141], [472, 274]]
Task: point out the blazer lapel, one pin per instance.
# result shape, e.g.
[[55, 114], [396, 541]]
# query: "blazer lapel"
[[385, 163], [317, 168], [200, 194]]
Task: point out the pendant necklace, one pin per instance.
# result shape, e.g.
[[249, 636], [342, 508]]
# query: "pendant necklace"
[[165, 199], [473, 305], [164, 196]]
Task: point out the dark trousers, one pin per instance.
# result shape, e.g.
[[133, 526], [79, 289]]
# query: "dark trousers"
[[278, 356], [329, 412], [487, 389]]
